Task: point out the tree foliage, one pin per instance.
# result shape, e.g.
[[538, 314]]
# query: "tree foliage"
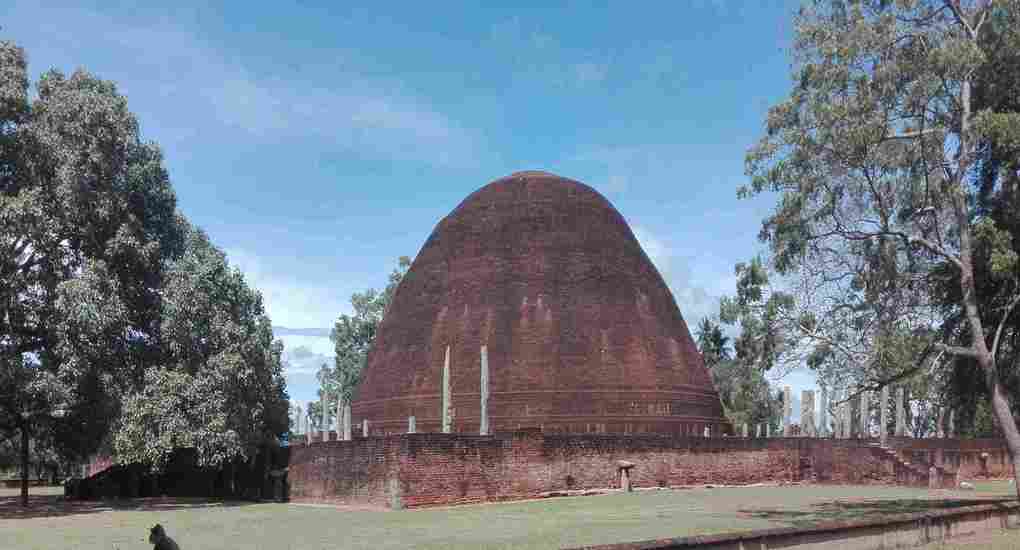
[[220, 386], [352, 335], [116, 316], [745, 393], [900, 120]]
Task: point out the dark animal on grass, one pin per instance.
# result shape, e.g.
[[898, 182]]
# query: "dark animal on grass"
[[159, 539]]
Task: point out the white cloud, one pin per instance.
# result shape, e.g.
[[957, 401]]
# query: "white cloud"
[[534, 54], [696, 294], [288, 301]]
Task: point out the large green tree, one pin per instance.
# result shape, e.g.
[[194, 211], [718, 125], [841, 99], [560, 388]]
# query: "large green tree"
[[874, 156], [87, 216], [219, 387]]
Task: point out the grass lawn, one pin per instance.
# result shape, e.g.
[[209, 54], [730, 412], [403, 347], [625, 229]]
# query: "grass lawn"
[[549, 523]]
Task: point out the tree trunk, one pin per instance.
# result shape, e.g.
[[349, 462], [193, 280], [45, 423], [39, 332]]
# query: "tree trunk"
[[24, 464], [1003, 414]]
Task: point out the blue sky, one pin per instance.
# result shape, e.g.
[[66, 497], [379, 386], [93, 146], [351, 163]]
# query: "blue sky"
[[317, 142]]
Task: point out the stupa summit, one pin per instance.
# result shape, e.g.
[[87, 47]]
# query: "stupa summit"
[[535, 289]]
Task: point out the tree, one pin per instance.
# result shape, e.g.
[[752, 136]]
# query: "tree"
[[874, 156], [352, 335], [743, 389], [219, 388], [86, 218]]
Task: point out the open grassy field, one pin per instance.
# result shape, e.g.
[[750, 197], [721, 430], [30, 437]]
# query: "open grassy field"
[[549, 523]]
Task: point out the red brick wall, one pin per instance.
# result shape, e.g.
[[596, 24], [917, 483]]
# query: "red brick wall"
[[433, 468], [964, 455]]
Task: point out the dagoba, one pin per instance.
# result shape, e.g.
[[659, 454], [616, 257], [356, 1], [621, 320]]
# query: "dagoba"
[[535, 297]]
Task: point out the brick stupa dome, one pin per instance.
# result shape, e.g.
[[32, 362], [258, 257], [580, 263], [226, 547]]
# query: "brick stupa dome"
[[582, 334]]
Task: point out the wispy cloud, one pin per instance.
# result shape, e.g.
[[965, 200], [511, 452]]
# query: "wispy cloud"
[[696, 296], [533, 53], [288, 301], [337, 107]]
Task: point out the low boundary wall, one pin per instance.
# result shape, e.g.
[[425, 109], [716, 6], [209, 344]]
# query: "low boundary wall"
[[424, 469]]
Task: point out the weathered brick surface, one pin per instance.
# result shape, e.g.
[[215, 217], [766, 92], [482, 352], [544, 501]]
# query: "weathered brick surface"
[[583, 334], [434, 469]]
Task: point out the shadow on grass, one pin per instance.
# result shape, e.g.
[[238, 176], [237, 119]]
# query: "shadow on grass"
[[42, 506], [859, 510]]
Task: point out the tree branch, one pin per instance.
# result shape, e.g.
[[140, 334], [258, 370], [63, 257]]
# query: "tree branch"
[[954, 5], [910, 135], [958, 351], [1002, 323]]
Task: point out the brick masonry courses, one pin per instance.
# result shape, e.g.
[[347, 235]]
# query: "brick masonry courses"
[[582, 333], [447, 469]]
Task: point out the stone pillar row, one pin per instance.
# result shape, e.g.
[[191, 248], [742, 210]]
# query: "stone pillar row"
[[844, 425]]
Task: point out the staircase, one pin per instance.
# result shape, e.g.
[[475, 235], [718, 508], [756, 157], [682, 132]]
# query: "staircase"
[[913, 474]]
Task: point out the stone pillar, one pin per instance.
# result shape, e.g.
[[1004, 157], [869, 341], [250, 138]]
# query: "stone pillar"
[[901, 415], [848, 417], [339, 418], [807, 413], [483, 427], [446, 392], [297, 421], [411, 425], [708, 432], [364, 427], [757, 432], [744, 430], [787, 411], [865, 431], [940, 424], [883, 412], [308, 424], [347, 422], [823, 414], [952, 423], [324, 427], [768, 430]]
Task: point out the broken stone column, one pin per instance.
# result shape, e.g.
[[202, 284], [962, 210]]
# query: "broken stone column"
[[483, 428], [865, 427], [446, 393], [708, 432], [823, 414], [411, 425], [901, 414], [787, 411], [883, 412], [807, 413], [347, 422], [364, 427]]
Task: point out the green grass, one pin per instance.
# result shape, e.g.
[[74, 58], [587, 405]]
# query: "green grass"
[[549, 523]]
